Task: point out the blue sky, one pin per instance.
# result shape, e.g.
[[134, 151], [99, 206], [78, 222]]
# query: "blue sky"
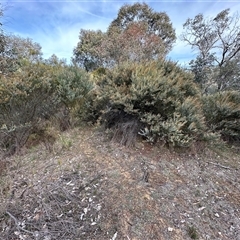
[[55, 25]]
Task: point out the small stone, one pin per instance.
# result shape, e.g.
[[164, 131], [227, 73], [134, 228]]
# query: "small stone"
[[201, 208], [216, 215], [170, 229], [114, 236]]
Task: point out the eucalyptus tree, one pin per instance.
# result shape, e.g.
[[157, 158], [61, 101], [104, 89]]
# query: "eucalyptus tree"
[[17, 50], [217, 42], [88, 52], [156, 24], [137, 34]]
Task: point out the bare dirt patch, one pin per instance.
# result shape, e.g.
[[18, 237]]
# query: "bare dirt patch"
[[91, 188]]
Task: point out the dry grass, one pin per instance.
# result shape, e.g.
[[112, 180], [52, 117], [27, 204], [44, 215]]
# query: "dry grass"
[[91, 188]]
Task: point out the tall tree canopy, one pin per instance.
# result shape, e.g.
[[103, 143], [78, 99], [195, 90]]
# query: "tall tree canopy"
[[156, 23], [217, 41], [137, 34], [88, 51], [16, 50]]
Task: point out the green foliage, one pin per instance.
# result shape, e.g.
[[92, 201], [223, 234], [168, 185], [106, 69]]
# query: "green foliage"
[[73, 88], [158, 23], [137, 34], [16, 51], [202, 68], [98, 72], [26, 97], [158, 95], [73, 85], [88, 53], [36, 92], [217, 43], [66, 143], [222, 113], [192, 232], [230, 75]]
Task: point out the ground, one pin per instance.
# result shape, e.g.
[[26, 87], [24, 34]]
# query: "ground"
[[88, 187]]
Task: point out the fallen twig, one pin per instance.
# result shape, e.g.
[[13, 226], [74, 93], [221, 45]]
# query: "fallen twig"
[[90, 182], [219, 165], [17, 223]]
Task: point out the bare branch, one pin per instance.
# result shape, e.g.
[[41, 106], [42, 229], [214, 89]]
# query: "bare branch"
[[17, 224], [217, 39]]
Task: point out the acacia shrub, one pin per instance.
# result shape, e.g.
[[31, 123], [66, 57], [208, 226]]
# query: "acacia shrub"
[[156, 99], [27, 96], [73, 89], [222, 114]]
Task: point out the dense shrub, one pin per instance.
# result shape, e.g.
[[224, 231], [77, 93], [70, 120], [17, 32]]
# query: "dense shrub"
[[222, 113], [73, 88], [26, 97], [157, 100], [73, 85], [36, 93]]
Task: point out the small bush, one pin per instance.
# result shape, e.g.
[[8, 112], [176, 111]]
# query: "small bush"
[[159, 96], [222, 113], [73, 87], [192, 232]]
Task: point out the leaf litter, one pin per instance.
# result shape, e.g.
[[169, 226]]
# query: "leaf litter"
[[98, 189]]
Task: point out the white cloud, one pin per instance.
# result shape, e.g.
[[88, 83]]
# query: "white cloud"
[[181, 11], [63, 36], [56, 25]]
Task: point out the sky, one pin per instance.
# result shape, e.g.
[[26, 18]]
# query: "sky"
[[55, 24]]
